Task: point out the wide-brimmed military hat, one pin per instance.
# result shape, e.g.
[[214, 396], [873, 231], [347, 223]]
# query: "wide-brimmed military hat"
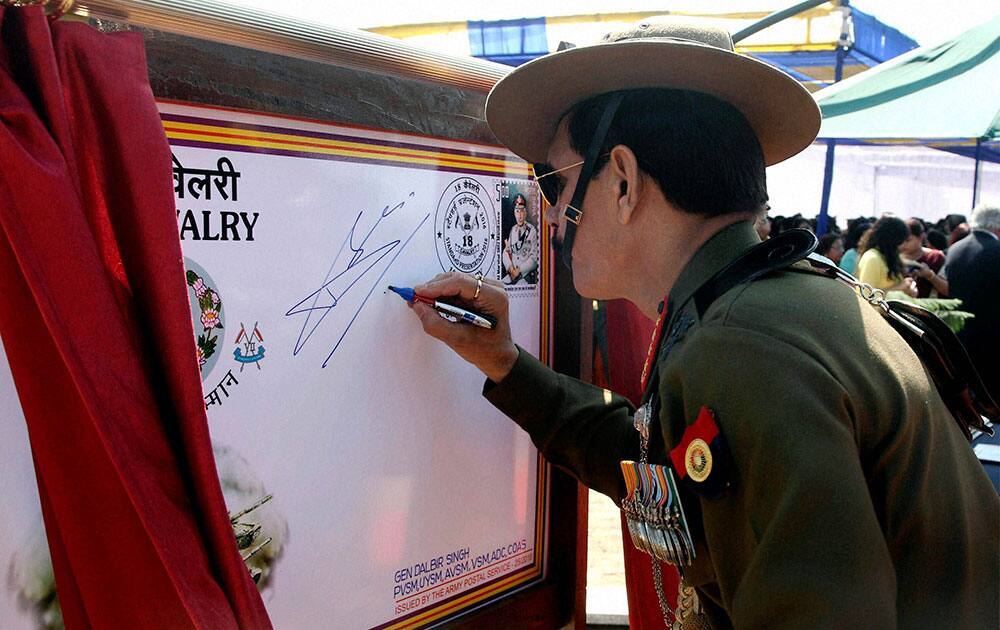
[[524, 108]]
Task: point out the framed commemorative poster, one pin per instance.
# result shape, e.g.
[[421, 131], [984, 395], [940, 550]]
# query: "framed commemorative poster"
[[321, 387], [388, 492]]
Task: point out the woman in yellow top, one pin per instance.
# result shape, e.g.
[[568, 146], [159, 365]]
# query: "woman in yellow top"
[[880, 264]]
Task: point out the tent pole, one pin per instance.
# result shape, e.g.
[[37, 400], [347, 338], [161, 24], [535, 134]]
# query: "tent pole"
[[831, 147], [977, 174], [776, 17], [824, 208]]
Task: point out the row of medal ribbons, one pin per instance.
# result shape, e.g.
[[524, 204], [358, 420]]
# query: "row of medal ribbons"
[[654, 513]]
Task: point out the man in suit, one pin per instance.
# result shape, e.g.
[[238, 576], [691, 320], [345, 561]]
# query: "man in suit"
[[973, 272]]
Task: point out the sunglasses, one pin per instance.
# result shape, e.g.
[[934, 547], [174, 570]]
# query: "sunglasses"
[[552, 187]]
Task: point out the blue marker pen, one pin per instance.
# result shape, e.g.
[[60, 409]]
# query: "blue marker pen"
[[457, 312]]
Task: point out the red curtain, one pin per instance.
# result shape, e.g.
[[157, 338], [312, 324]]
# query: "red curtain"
[[95, 320], [629, 332]]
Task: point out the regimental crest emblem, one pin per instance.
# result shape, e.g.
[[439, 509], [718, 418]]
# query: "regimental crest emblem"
[[701, 459], [251, 348]]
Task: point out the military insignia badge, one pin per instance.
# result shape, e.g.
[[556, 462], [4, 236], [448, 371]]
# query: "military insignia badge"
[[698, 460], [253, 347], [701, 458]]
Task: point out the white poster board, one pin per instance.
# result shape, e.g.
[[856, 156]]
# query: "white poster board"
[[401, 496]]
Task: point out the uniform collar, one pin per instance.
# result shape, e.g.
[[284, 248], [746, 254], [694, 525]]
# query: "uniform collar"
[[712, 257]]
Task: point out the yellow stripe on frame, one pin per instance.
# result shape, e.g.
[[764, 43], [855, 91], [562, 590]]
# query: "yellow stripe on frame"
[[271, 135], [433, 161], [265, 139]]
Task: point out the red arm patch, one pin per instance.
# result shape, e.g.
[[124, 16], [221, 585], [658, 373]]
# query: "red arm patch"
[[701, 459]]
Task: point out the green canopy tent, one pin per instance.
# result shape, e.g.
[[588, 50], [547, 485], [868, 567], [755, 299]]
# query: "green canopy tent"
[[946, 96]]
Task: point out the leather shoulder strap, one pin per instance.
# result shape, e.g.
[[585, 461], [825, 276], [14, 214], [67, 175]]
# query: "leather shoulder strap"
[[773, 254], [955, 376]]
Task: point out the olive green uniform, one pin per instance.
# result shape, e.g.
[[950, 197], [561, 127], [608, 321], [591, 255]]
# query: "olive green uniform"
[[855, 501]]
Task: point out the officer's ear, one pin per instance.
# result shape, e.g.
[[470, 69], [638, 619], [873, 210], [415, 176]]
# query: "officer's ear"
[[626, 181]]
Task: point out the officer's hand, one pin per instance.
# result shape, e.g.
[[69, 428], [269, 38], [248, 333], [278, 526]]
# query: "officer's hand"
[[492, 351]]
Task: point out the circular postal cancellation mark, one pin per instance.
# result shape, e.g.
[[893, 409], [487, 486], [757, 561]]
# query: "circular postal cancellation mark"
[[464, 238]]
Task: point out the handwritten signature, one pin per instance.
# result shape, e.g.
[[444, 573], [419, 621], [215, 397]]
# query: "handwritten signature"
[[340, 279]]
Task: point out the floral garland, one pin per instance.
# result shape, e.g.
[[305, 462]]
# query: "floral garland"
[[210, 305]]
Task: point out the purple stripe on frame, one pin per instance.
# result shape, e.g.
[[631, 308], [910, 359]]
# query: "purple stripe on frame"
[[337, 158], [328, 136]]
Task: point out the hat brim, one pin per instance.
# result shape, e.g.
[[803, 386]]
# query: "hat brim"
[[524, 108]]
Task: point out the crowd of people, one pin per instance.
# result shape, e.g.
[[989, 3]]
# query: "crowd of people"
[[954, 257]]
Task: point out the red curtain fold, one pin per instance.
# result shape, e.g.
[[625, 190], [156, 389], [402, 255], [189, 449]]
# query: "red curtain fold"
[[96, 324], [629, 332]]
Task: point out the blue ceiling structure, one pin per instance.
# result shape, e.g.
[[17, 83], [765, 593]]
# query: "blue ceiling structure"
[[514, 42], [510, 42], [874, 42]]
